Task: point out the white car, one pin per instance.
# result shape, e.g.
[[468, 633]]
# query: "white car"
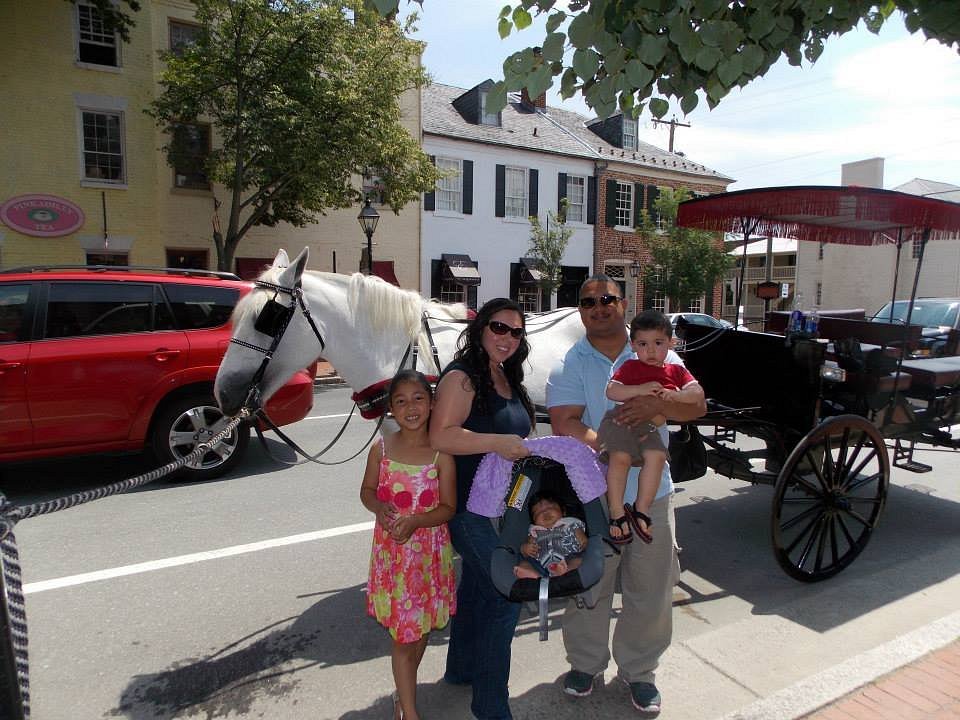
[[699, 319]]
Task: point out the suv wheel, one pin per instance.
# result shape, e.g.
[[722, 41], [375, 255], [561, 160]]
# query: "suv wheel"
[[184, 423]]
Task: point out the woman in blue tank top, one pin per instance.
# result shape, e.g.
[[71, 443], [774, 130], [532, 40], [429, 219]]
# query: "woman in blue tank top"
[[481, 406]]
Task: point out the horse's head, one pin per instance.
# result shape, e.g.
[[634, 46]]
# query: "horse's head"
[[268, 319]]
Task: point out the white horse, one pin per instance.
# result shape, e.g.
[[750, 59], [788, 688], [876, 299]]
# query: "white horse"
[[366, 326]]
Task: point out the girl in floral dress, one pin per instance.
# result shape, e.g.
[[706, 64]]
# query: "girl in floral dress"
[[412, 491]]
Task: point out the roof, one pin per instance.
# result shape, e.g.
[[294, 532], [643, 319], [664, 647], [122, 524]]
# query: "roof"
[[931, 189], [849, 215], [558, 131]]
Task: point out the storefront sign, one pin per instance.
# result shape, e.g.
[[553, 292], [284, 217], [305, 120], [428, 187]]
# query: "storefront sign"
[[41, 215]]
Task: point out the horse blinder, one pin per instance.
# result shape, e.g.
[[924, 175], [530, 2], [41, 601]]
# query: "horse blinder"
[[273, 318]]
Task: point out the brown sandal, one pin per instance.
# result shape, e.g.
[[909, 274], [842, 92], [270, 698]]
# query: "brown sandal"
[[622, 522], [634, 516]]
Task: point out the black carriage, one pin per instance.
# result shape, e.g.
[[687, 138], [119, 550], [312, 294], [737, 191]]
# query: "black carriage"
[[827, 409]]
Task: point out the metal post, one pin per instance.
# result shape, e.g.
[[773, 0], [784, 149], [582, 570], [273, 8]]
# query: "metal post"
[[369, 234]]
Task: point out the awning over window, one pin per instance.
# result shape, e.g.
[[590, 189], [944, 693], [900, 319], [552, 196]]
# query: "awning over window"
[[529, 272], [384, 269], [460, 269]]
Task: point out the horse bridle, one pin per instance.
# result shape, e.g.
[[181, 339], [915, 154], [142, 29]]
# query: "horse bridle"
[[273, 320]]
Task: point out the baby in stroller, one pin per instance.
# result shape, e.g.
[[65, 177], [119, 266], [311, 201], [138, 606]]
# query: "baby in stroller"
[[556, 542]]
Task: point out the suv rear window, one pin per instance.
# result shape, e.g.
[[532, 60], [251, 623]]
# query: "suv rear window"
[[199, 306], [78, 309]]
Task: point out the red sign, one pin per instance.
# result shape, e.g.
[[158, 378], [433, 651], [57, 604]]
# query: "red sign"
[[41, 215], [768, 290]]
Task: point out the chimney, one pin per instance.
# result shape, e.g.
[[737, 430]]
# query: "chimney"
[[539, 102]]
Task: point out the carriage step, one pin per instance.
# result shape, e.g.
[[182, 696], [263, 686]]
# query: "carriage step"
[[903, 458], [913, 466]]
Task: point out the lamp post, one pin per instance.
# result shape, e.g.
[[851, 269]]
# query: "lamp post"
[[368, 219]]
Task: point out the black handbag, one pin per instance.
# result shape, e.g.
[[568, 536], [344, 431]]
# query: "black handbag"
[[688, 454]]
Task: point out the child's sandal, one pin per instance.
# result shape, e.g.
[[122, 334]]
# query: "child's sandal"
[[633, 516], [623, 523]]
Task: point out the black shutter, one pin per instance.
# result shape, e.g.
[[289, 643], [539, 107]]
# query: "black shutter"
[[467, 187], [653, 192], [430, 198], [501, 189], [561, 190], [436, 267], [637, 203], [611, 218], [515, 270], [591, 200], [533, 199]]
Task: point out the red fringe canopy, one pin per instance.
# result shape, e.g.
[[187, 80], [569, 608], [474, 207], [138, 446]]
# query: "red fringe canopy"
[[847, 215]]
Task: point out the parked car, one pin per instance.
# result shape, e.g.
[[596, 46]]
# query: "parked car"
[[97, 359], [937, 316], [699, 319]]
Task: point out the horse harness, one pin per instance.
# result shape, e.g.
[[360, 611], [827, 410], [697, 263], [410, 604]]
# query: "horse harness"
[[272, 321]]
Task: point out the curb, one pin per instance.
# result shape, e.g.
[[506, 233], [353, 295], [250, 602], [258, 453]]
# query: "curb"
[[817, 691]]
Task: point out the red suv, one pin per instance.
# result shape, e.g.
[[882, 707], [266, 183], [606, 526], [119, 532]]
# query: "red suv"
[[97, 359]]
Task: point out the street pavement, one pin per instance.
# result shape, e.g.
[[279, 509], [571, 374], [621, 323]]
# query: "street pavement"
[[243, 597]]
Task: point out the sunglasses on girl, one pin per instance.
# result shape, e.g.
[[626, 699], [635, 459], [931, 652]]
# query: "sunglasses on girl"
[[589, 302], [499, 328]]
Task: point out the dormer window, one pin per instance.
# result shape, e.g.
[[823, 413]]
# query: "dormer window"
[[485, 117], [629, 134]]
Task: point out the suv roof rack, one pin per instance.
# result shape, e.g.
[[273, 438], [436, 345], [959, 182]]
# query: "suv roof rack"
[[187, 272]]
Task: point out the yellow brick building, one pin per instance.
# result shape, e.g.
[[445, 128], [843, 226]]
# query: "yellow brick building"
[[74, 132]]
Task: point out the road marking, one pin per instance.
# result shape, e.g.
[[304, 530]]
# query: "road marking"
[[325, 417], [152, 565]]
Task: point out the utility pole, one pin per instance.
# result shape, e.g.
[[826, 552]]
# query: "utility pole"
[[672, 122]]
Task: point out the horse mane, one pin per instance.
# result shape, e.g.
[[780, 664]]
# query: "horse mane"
[[374, 305]]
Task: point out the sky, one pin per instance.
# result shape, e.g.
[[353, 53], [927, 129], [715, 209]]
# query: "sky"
[[895, 96]]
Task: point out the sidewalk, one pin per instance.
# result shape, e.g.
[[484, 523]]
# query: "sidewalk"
[[926, 688]]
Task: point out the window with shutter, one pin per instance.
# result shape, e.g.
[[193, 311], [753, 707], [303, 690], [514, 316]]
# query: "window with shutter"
[[576, 198], [515, 192]]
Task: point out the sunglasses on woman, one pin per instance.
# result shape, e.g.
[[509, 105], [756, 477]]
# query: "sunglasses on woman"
[[589, 302], [499, 328]]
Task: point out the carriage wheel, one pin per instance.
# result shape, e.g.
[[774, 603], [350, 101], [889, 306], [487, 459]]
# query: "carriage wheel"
[[828, 497]]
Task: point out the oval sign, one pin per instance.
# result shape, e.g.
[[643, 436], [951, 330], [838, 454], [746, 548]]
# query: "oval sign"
[[41, 215]]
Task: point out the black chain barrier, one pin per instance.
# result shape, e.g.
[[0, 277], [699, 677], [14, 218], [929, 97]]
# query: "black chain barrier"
[[15, 681]]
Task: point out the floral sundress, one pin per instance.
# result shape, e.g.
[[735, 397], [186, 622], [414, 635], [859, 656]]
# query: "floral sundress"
[[412, 587]]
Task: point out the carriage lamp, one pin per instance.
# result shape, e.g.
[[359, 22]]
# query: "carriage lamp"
[[635, 268], [368, 219]]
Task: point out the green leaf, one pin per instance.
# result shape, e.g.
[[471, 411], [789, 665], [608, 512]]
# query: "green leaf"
[[708, 8], [711, 33], [638, 74], [568, 83], [708, 58], [761, 23], [504, 27], [729, 70], [539, 81], [752, 58], [496, 97], [688, 103], [582, 31], [659, 107], [555, 20], [608, 90], [553, 46], [631, 36], [586, 63], [688, 44], [521, 18], [615, 61], [505, 11], [626, 102], [652, 49]]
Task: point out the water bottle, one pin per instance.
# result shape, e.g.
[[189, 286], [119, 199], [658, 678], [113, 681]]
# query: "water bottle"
[[796, 322], [812, 324]]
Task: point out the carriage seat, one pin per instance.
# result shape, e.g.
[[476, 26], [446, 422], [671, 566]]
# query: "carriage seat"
[[866, 331], [929, 374]]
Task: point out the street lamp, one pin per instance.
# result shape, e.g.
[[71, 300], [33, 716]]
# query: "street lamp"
[[368, 219]]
